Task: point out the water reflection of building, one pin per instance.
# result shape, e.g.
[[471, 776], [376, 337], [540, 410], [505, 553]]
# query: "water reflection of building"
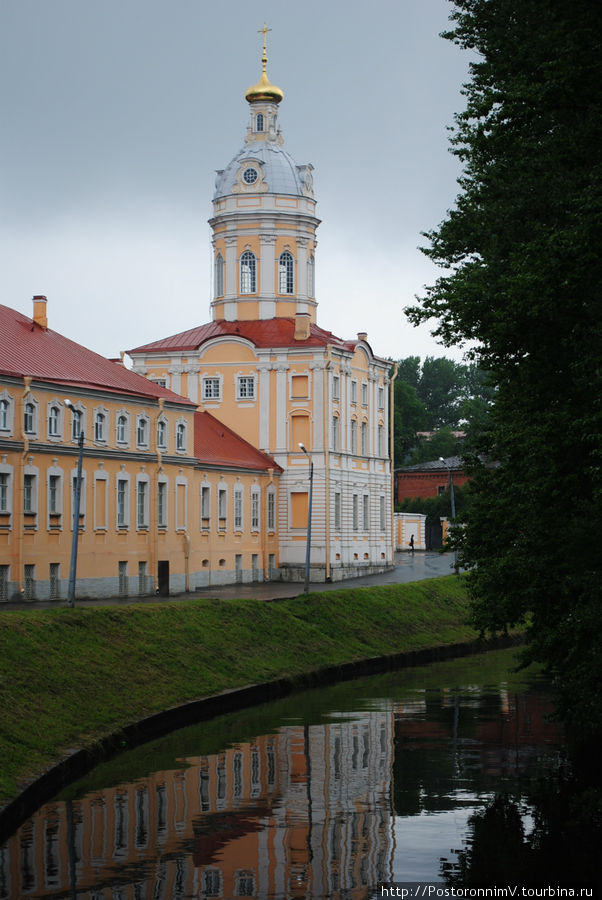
[[304, 812]]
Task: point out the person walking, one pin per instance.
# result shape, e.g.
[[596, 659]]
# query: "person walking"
[[412, 543]]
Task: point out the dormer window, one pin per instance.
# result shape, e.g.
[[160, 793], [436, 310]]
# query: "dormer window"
[[285, 273], [259, 122], [248, 273]]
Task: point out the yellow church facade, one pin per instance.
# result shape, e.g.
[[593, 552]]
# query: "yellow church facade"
[[265, 368]]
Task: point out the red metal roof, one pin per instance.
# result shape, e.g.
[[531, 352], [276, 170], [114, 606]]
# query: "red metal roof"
[[26, 349], [278, 332], [216, 444]]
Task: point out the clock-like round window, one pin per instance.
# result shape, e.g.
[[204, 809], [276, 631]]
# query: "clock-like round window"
[[250, 176]]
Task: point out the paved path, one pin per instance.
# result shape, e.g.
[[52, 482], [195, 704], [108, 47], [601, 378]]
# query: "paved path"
[[408, 567]]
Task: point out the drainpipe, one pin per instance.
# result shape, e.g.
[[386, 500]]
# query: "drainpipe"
[[391, 449], [327, 461], [187, 561], [18, 511]]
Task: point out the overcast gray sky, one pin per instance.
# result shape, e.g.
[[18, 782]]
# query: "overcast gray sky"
[[116, 114]]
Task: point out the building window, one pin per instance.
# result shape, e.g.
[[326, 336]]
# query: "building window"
[[355, 512], [238, 509], [366, 512], [29, 494], [248, 273], [382, 513], [5, 504], [162, 434], [29, 572], [364, 438], [160, 382], [336, 387], [335, 433], [222, 508], [142, 578], [271, 509], [142, 504], [77, 424], [142, 431], [380, 440], [255, 497], [99, 427], [29, 418], [354, 391], [55, 581], [311, 276], [211, 389], [4, 415], [259, 122], [162, 504], [123, 578], [181, 436], [353, 436], [285, 273], [364, 393], [122, 429], [122, 502], [205, 506], [54, 421], [54, 495], [381, 398], [219, 275], [337, 511], [245, 387], [299, 509]]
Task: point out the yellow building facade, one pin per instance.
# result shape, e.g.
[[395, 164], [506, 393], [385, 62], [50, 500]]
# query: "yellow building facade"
[[265, 368], [153, 518]]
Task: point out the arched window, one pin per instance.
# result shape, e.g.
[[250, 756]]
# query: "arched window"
[[4, 415], [311, 276], [29, 418], [142, 432], [162, 434], [259, 122], [285, 273], [180, 436], [248, 273], [53, 421], [77, 424], [122, 424], [219, 276], [99, 427]]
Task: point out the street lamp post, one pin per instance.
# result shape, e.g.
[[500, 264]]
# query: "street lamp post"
[[76, 505], [453, 502], [308, 544]]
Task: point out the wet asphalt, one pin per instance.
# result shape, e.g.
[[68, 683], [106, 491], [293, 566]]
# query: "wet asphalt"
[[408, 567]]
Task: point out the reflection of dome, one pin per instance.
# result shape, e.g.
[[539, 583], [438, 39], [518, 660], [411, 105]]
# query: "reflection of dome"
[[280, 172], [264, 90]]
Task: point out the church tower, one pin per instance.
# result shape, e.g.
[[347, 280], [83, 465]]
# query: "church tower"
[[264, 367], [264, 221]]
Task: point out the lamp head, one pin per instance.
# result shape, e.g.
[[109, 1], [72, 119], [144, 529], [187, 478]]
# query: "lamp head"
[[302, 446]]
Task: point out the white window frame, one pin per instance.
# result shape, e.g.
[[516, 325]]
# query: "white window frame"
[[54, 491], [30, 417], [366, 512], [122, 428], [31, 477], [354, 391], [101, 424], [286, 273], [122, 478], [239, 508], [336, 387], [381, 397], [6, 413], [205, 506], [82, 499], [215, 382], [353, 436], [311, 276], [162, 502], [142, 502], [255, 508], [355, 512], [219, 275], [271, 504], [222, 507], [142, 431], [248, 272], [78, 415], [337, 511], [336, 434], [162, 433], [181, 436], [382, 513], [364, 438], [364, 393], [55, 420], [6, 490], [243, 383]]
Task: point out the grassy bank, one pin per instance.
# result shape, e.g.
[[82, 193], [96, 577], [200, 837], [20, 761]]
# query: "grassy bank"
[[71, 677]]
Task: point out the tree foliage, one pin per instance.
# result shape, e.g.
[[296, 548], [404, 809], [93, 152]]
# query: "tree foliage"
[[522, 281]]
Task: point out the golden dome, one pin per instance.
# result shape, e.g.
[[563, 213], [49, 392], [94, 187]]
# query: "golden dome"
[[264, 90]]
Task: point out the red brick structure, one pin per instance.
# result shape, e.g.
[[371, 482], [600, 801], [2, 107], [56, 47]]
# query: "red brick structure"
[[428, 479]]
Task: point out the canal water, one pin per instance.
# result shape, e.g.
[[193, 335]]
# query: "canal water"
[[329, 793]]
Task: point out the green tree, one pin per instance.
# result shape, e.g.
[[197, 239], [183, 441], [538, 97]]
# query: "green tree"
[[523, 282], [440, 388], [410, 417]]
